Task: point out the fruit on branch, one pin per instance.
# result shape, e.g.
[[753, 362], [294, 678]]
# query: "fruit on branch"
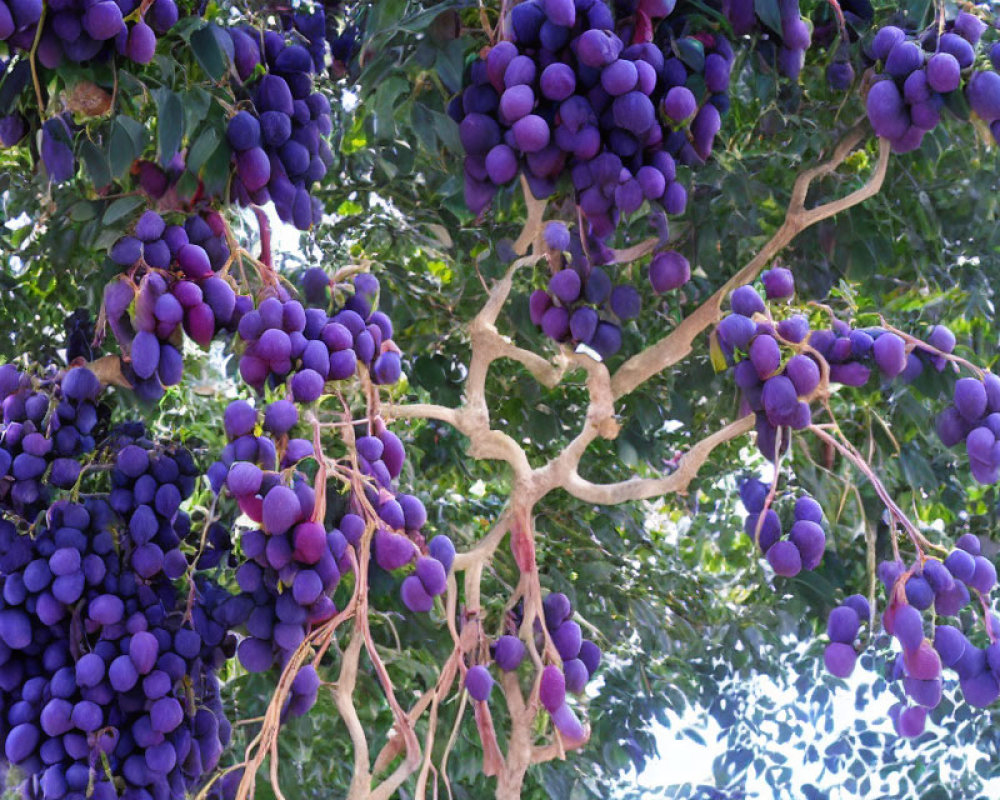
[[580, 305], [974, 417], [48, 424], [81, 32], [803, 549], [941, 589], [756, 342], [279, 143], [479, 683], [574, 100], [178, 292], [100, 659], [920, 71]]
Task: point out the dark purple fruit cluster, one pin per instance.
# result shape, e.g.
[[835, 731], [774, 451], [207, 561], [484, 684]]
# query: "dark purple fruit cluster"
[[842, 627], [312, 27], [941, 589], [105, 659], [148, 485], [178, 292], [293, 564], [308, 347], [920, 71], [48, 423], [692, 96], [83, 30], [806, 542], [279, 141], [974, 417], [398, 519], [794, 34], [581, 306], [566, 96], [580, 660], [781, 366]]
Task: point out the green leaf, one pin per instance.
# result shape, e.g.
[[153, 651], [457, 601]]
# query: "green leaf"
[[121, 150], [207, 46], [137, 133], [121, 208], [202, 148], [96, 163], [692, 53], [769, 14], [169, 124]]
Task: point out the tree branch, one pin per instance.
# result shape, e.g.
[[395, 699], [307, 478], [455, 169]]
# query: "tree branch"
[[677, 344], [676, 482]]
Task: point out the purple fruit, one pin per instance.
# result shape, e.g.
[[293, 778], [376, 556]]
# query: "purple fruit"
[[983, 93], [668, 270], [779, 283], [479, 682], [415, 595], [141, 45], [908, 627], [552, 688], [970, 398], [887, 110], [102, 20], [784, 559], [839, 659], [509, 652], [890, 354]]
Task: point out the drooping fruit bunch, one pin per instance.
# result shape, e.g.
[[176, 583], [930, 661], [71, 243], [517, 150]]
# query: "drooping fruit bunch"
[[80, 31], [919, 71], [580, 304], [564, 95], [49, 424], [108, 665], [803, 549], [782, 365], [942, 589], [974, 416], [579, 657], [279, 137], [171, 288]]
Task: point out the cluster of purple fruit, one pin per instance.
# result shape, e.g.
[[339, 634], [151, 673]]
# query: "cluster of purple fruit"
[[279, 142], [974, 417], [47, 425], [566, 95], [794, 34], [942, 588], [581, 306], [81, 30], [803, 549], [580, 660], [293, 564], [842, 627], [179, 292], [920, 71], [692, 96], [311, 26], [107, 685], [286, 339], [780, 390]]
